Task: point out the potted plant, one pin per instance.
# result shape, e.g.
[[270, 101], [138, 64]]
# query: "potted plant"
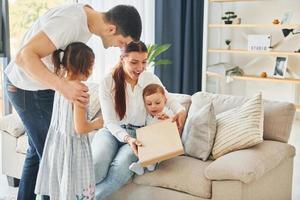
[[227, 42], [228, 17], [155, 50]]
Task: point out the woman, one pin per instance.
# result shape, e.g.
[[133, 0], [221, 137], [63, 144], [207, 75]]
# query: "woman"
[[123, 111]]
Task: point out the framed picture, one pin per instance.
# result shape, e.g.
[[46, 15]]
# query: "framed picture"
[[280, 67]]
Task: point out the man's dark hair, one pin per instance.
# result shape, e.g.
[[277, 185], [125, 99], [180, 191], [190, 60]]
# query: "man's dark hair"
[[127, 21]]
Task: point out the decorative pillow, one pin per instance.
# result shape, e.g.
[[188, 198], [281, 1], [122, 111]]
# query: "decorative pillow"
[[94, 104], [12, 124], [202, 130], [239, 128]]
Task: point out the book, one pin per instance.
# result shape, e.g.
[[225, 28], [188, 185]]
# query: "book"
[[160, 141]]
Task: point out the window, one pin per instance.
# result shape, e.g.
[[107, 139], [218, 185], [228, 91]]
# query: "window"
[[22, 14]]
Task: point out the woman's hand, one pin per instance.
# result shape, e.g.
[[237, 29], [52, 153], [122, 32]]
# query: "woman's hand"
[[133, 143], [180, 118]]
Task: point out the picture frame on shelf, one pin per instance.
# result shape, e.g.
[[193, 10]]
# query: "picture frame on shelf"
[[280, 68]]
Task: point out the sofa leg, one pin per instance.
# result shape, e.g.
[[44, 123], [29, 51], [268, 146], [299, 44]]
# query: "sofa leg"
[[13, 182]]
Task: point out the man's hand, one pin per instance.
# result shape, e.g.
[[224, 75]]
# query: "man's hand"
[[133, 143], [75, 91], [180, 118]]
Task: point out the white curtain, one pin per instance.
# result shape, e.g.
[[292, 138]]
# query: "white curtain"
[[106, 59]]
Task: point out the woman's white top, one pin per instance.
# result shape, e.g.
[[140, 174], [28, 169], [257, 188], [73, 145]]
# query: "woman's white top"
[[135, 107]]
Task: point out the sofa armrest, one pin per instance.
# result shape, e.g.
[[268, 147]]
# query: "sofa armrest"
[[249, 164], [12, 125]]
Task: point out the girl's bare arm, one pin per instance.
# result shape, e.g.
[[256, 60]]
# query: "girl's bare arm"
[[82, 124]]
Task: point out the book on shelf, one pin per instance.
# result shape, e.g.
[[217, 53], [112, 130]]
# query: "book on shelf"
[[160, 141]]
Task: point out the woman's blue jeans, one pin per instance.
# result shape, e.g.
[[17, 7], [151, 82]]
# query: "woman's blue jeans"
[[112, 159], [35, 111]]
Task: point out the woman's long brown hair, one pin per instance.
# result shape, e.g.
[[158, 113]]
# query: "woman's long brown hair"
[[119, 78]]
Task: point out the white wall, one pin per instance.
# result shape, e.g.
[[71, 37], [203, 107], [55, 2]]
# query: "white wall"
[[259, 12]]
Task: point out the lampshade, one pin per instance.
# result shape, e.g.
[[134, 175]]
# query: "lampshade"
[[286, 32]]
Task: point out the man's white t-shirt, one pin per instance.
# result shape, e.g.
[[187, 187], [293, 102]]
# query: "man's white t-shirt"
[[63, 25]]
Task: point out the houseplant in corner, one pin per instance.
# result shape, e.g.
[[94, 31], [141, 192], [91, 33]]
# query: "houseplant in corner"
[[154, 50]]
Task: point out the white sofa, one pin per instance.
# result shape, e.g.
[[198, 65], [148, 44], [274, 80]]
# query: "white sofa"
[[263, 172]]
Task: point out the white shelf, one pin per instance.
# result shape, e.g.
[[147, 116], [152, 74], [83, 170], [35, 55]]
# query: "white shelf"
[[258, 78], [243, 51], [221, 1], [281, 26]]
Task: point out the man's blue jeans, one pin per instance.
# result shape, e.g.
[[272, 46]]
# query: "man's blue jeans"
[[35, 111], [112, 159]]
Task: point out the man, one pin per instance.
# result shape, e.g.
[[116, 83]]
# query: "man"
[[31, 81]]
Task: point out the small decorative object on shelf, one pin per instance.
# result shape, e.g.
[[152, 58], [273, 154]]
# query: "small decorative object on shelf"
[[229, 16], [280, 67], [264, 75], [259, 42], [297, 51], [276, 21], [238, 20], [227, 42], [236, 71]]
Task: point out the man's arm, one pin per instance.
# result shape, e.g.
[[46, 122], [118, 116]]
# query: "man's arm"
[[29, 59]]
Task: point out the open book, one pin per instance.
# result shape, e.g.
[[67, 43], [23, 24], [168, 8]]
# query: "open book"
[[160, 141]]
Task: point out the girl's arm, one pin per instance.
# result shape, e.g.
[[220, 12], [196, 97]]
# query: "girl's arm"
[[82, 125]]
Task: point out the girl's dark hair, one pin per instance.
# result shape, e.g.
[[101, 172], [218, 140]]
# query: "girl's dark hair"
[[152, 89], [119, 78], [77, 58]]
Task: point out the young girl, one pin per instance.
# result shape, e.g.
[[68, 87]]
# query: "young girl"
[[155, 103], [66, 170]]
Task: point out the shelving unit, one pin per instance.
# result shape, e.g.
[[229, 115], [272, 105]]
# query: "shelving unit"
[[243, 51], [298, 108], [258, 78], [220, 1], [215, 52], [280, 26]]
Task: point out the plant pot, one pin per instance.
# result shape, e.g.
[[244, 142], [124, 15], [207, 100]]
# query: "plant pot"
[[228, 22]]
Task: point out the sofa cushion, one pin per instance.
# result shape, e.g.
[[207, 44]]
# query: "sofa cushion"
[[201, 126], [182, 173], [22, 144], [248, 165], [278, 116], [12, 125], [183, 99], [239, 128]]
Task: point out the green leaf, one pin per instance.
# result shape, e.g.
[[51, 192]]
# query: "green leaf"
[[163, 62], [161, 49], [154, 51]]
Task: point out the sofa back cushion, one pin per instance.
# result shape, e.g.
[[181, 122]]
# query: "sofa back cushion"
[[183, 99], [278, 116]]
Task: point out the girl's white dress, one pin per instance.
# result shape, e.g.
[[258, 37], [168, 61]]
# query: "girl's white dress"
[[66, 170]]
